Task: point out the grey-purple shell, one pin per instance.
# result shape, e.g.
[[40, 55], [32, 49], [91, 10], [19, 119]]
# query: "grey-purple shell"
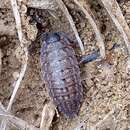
[[61, 73]]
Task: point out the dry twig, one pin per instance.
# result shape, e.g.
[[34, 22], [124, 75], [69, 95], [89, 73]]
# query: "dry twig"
[[116, 15], [20, 36], [66, 12], [0, 60], [42, 4], [17, 20], [94, 26], [17, 122], [16, 87], [47, 116]]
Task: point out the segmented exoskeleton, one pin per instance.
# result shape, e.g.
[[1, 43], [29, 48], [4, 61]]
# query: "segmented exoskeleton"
[[61, 73]]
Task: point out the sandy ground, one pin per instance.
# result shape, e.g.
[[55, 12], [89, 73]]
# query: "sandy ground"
[[106, 82]]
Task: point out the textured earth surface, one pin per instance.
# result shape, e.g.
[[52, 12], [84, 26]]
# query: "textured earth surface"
[[106, 83]]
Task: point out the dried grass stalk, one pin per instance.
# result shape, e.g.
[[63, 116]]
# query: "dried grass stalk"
[[17, 122], [117, 17], [16, 87], [0, 60], [94, 26], [17, 20], [47, 116], [20, 36], [42, 4], [66, 12]]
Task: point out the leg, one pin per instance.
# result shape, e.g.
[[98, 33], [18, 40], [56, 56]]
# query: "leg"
[[91, 57]]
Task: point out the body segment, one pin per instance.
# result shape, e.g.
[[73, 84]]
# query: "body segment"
[[61, 74]]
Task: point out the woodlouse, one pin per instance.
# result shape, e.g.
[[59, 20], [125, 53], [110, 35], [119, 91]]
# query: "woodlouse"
[[61, 73], [60, 70]]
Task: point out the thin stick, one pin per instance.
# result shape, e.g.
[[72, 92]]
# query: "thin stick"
[[17, 122], [116, 15], [42, 4], [16, 87], [66, 12], [95, 28], [47, 116], [17, 20], [0, 60], [24, 66]]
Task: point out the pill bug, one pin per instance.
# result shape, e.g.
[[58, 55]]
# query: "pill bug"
[[61, 73]]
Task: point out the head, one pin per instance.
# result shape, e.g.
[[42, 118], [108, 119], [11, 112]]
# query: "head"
[[52, 37]]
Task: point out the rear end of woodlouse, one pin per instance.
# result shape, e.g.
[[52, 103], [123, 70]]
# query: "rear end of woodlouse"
[[61, 73]]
